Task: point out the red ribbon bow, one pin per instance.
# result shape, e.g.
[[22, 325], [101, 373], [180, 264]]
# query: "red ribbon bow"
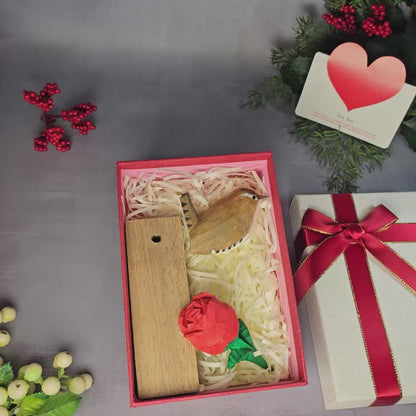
[[352, 238]]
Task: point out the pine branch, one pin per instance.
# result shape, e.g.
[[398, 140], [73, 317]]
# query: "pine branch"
[[408, 130], [412, 109], [306, 34], [346, 157], [334, 5], [279, 57], [272, 92]]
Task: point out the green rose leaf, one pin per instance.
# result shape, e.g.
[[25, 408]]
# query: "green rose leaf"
[[32, 403], [62, 404], [6, 374], [242, 348]]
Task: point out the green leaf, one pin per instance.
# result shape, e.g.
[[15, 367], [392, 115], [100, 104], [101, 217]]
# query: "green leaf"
[[236, 356], [259, 360], [6, 374], [31, 404], [62, 404], [242, 349]]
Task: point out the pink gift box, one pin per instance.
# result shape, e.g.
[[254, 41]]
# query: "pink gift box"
[[262, 163]]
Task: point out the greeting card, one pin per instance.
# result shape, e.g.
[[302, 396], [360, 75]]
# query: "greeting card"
[[365, 101]]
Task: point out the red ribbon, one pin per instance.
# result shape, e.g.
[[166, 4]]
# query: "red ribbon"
[[352, 238]]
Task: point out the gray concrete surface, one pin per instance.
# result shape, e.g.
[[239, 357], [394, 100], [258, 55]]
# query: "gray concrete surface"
[[168, 78]]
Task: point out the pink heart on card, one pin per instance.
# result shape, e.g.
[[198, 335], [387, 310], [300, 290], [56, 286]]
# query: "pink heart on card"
[[359, 85]]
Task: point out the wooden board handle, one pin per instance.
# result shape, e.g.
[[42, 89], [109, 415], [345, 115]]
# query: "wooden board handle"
[[165, 361]]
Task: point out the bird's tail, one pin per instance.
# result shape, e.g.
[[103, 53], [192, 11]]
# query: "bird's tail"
[[191, 217]]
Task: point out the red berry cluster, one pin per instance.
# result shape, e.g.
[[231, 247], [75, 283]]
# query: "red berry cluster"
[[54, 134], [77, 114], [42, 100], [40, 144], [83, 126], [346, 22], [375, 25]]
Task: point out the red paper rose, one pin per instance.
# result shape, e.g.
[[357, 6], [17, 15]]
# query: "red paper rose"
[[208, 323]]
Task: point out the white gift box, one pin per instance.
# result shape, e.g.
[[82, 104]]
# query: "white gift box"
[[343, 366]]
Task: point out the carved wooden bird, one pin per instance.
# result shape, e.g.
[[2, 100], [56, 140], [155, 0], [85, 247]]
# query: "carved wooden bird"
[[224, 225]]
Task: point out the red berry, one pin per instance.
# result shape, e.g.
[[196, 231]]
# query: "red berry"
[[83, 126], [53, 134], [51, 89], [346, 22], [79, 112], [382, 28], [40, 144], [63, 145]]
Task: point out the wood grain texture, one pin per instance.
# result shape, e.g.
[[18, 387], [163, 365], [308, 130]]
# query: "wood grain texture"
[[225, 224], [165, 361]]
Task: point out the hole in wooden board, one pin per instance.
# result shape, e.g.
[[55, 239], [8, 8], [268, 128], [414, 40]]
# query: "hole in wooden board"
[[156, 238]]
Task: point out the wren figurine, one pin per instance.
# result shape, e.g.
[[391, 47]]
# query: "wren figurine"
[[224, 225]]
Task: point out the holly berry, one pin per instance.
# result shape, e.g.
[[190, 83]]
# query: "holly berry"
[[79, 112], [63, 145], [89, 381], [33, 372], [51, 89], [4, 338], [40, 144], [346, 22], [83, 126], [375, 25], [7, 314], [17, 389], [31, 97], [77, 385], [42, 100], [51, 386], [4, 411], [62, 360], [3, 396], [54, 134]]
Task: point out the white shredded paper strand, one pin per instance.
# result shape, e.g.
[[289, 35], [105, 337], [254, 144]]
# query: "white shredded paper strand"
[[244, 277]]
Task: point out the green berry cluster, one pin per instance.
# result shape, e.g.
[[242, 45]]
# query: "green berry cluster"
[[30, 387], [7, 314], [29, 393]]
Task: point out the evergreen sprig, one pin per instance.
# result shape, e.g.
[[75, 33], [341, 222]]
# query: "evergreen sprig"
[[346, 157], [272, 92]]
